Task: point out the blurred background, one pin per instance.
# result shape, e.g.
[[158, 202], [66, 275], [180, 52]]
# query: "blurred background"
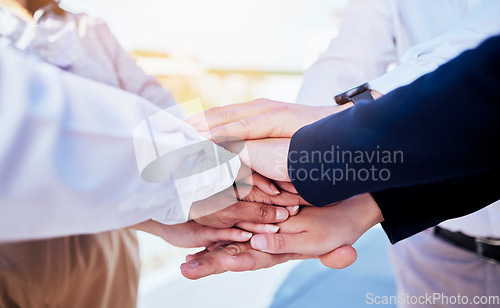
[[230, 51], [222, 51]]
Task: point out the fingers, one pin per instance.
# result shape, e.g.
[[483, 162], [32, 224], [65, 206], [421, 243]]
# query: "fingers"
[[251, 260], [288, 186], [149, 226], [263, 183], [258, 212], [217, 116], [222, 259], [298, 243], [244, 174], [283, 243], [293, 210], [290, 200], [235, 114], [256, 127], [244, 211], [209, 263], [258, 228], [211, 235], [287, 199], [217, 245], [339, 258], [199, 120], [241, 257], [196, 255]]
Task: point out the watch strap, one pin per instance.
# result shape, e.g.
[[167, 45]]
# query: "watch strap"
[[354, 95], [366, 95]]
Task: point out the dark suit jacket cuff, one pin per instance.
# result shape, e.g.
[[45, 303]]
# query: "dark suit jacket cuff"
[[410, 210], [400, 219]]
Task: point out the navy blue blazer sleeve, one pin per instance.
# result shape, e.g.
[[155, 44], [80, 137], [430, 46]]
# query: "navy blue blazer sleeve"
[[410, 210], [443, 126]]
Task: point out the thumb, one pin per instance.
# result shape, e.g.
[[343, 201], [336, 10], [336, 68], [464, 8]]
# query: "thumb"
[[281, 243], [341, 257]]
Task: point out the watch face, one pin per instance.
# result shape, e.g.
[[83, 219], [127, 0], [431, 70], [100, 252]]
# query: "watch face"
[[347, 96]]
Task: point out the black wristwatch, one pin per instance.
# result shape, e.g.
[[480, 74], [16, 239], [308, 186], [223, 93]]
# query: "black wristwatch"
[[354, 95]]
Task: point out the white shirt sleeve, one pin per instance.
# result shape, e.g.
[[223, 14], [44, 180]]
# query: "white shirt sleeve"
[[362, 51], [470, 31], [67, 158]]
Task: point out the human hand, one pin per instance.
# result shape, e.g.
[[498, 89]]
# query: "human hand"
[[191, 234], [316, 231], [254, 212], [326, 233], [268, 157], [260, 118], [239, 257]]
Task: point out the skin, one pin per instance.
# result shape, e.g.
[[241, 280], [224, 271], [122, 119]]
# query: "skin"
[[261, 118], [266, 127], [257, 119], [300, 235], [268, 157], [239, 257], [249, 177], [228, 224], [323, 233], [253, 213], [316, 231], [192, 234], [221, 122], [258, 215]]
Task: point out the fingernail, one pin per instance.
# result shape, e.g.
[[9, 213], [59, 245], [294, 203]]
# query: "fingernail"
[[259, 242], [193, 263], [246, 235], [271, 228], [292, 209], [274, 189], [281, 214]]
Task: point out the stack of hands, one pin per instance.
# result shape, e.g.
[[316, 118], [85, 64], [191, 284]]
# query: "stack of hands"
[[262, 221]]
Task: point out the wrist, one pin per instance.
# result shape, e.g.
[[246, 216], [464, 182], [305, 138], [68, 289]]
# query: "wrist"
[[152, 227], [321, 112], [339, 108], [365, 212], [375, 94], [371, 209]]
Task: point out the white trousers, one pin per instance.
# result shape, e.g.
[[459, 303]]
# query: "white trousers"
[[433, 273]]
